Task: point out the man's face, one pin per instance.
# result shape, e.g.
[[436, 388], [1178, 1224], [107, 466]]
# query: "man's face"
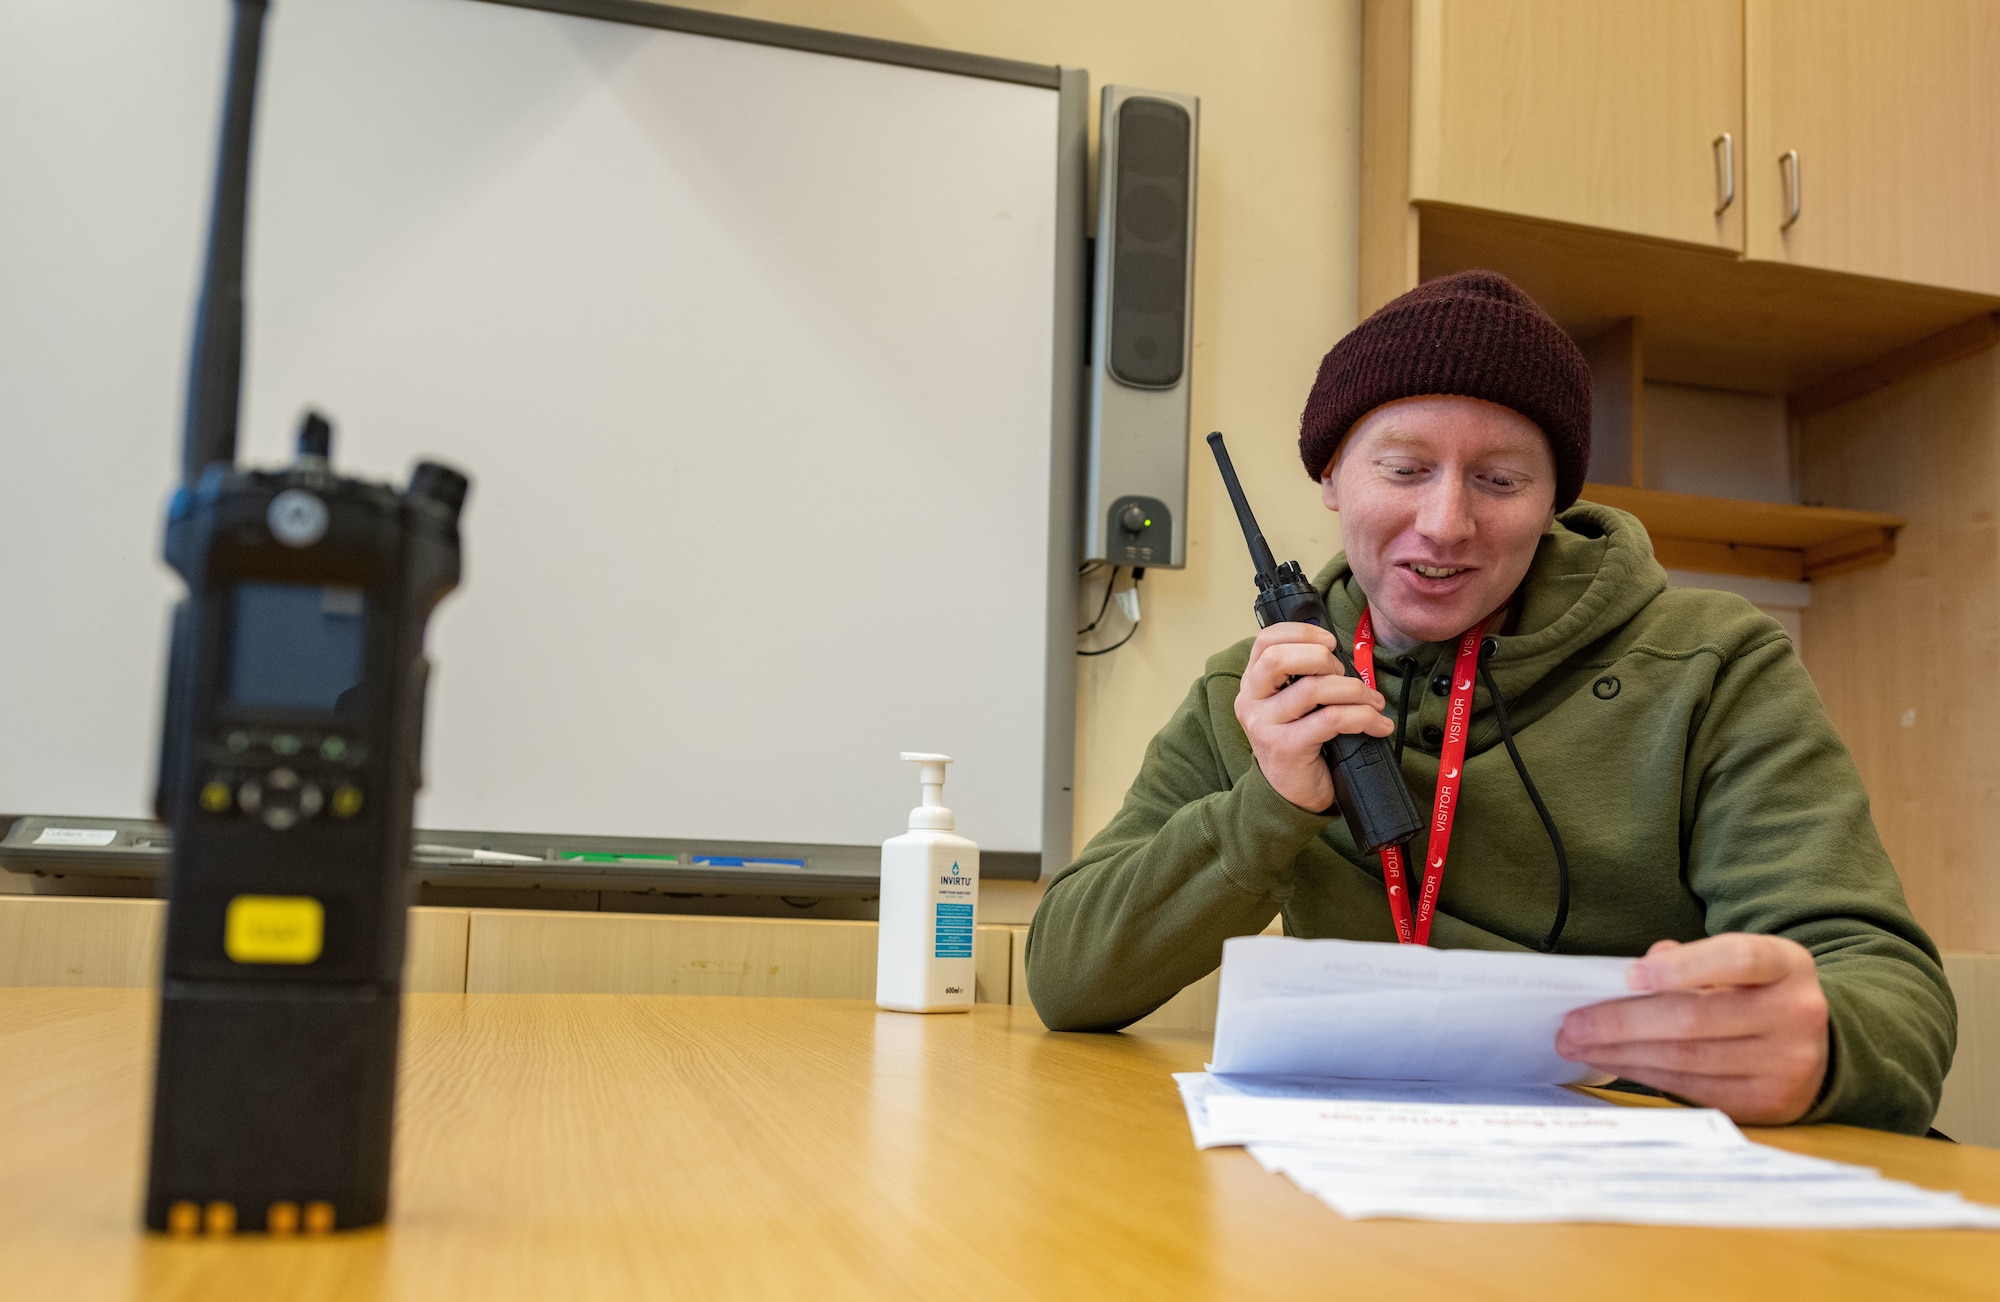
[[1442, 500]]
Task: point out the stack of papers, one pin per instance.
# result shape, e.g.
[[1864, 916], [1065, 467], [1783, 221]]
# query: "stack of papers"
[[1470, 1153], [1481, 1127]]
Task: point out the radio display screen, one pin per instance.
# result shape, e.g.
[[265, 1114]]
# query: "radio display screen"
[[296, 646]]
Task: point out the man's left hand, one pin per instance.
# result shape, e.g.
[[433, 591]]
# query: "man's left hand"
[[1739, 1024]]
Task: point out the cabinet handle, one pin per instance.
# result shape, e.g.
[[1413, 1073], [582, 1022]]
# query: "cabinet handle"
[[1725, 172], [1788, 165]]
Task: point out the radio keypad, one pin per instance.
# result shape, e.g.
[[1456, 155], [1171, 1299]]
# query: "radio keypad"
[[284, 778]]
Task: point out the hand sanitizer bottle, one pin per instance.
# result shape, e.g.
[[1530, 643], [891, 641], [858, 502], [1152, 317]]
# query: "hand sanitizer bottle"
[[930, 897]]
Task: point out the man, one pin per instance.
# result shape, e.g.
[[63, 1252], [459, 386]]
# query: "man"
[[1699, 809]]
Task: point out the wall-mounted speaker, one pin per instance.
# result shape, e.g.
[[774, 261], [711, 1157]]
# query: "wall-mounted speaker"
[[1142, 328]]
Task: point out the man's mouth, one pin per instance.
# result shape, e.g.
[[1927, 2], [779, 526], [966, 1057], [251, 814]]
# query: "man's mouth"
[[1437, 571]]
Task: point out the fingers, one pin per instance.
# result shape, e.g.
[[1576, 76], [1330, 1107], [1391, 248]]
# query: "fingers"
[[1295, 674], [1671, 1017], [1319, 692], [1295, 697], [1791, 1008], [1735, 959], [1312, 711], [1782, 1061], [1274, 663], [1750, 1099], [1312, 730], [1302, 634], [1737, 1057], [1757, 1051], [1301, 719]]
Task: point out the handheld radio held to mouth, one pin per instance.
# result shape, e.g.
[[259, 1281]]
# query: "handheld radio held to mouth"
[[1367, 785], [289, 764]]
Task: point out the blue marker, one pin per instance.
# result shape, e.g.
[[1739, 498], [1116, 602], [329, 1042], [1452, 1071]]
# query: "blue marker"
[[735, 861]]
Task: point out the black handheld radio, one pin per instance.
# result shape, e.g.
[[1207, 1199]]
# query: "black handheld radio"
[[1366, 782], [289, 764]]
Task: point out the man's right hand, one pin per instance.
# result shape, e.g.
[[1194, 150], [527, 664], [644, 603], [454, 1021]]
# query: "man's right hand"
[[1287, 722]]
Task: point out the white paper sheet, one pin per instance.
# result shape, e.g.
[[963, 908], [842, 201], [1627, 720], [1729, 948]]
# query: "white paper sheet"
[[1331, 1123], [1639, 1184], [1198, 1087], [1340, 1008]]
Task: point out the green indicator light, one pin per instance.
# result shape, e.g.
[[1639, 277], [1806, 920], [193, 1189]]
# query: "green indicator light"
[[1149, 524]]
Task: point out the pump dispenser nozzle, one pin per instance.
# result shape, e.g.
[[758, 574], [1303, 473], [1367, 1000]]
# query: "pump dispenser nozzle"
[[931, 815]]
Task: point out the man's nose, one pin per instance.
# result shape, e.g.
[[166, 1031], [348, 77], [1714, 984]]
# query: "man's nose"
[[1445, 514]]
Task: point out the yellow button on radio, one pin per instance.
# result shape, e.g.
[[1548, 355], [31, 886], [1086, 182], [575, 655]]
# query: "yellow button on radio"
[[346, 800], [215, 797], [273, 929]]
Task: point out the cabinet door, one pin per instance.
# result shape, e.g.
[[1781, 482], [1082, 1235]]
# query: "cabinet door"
[[1893, 107], [1602, 114]]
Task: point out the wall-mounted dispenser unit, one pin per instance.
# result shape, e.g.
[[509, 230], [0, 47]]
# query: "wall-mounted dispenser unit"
[[1142, 329]]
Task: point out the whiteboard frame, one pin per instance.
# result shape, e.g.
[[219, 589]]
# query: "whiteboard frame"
[[1069, 392]]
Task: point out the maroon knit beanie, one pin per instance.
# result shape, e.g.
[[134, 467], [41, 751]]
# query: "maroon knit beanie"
[[1473, 334]]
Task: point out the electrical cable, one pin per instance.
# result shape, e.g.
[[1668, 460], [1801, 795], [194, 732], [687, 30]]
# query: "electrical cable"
[[1107, 650], [1102, 606]]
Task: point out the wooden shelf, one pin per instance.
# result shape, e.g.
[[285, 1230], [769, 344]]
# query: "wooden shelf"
[[1711, 317], [1766, 540]]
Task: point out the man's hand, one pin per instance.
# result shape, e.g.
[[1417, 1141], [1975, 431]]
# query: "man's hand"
[[1288, 724], [1741, 1026]]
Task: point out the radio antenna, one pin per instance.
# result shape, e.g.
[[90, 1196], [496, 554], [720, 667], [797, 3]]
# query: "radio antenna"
[[215, 372], [1260, 551]]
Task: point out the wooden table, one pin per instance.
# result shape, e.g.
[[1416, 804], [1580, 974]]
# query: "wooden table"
[[608, 1146]]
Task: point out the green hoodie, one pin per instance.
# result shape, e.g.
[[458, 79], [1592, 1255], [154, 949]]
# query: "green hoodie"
[[1696, 781]]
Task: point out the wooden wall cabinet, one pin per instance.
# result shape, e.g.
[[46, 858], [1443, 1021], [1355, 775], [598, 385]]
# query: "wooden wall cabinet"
[[1874, 138], [1604, 115], [1566, 144], [1862, 136]]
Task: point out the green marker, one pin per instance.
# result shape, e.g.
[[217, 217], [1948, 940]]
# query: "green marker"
[[600, 856]]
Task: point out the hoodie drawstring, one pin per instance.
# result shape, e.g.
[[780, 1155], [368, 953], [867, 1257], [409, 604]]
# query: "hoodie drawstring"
[[1486, 650], [1407, 667]]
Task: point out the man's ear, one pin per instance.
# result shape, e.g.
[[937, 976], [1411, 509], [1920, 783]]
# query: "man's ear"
[[1329, 488]]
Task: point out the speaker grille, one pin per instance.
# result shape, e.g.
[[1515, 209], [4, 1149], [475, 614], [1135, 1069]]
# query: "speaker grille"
[[1149, 266]]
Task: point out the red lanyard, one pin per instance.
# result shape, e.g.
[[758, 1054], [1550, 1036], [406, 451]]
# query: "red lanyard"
[[1451, 764]]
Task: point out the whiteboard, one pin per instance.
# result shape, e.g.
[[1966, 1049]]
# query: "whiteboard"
[[758, 359]]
